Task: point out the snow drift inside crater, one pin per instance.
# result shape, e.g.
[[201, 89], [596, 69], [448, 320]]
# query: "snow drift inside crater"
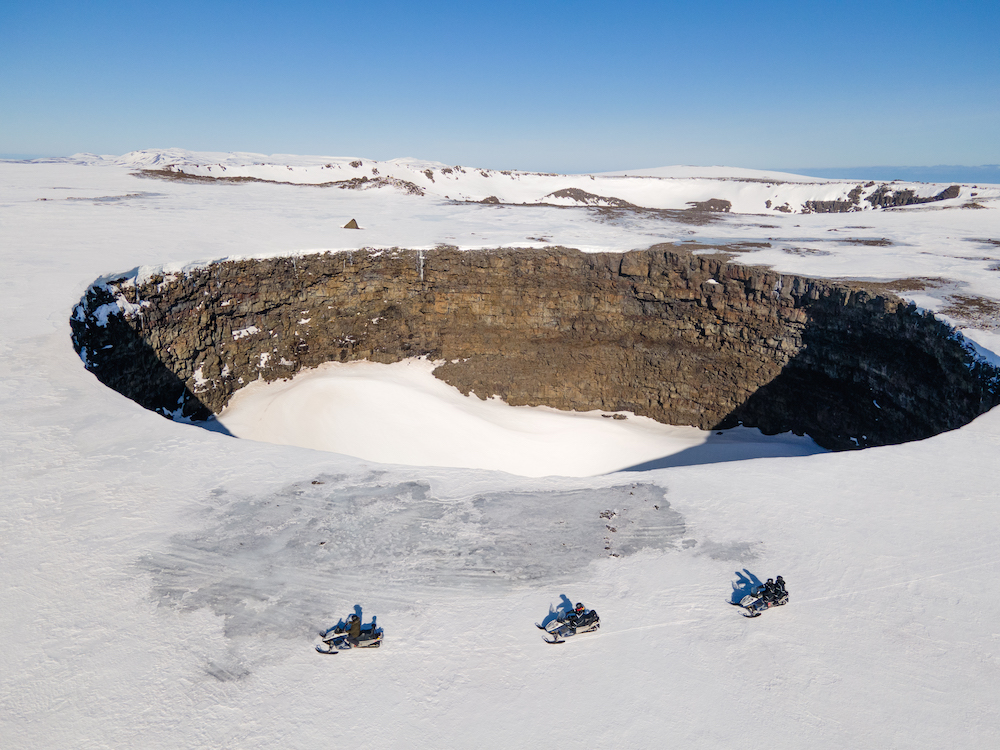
[[400, 413]]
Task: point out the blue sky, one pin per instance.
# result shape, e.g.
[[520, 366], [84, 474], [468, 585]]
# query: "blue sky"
[[558, 86]]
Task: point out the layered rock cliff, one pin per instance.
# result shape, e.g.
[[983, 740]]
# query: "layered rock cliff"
[[683, 339]]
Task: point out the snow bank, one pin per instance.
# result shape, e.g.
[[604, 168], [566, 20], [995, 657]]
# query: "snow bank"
[[402, 414]]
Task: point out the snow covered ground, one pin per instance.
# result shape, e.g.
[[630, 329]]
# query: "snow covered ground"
[[163, 585]]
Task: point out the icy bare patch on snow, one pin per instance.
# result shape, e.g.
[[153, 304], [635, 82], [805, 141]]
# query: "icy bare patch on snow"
[[279, 564], [734, 551]]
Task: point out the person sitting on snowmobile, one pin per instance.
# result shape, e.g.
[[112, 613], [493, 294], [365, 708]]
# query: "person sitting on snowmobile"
[[573, 618], [581, 617], [766, 591], [353, 629], [774, 590]]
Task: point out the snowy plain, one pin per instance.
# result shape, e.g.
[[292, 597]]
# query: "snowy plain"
[[163, 584]]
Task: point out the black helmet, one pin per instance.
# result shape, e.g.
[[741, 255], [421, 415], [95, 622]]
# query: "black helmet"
[[770, 581], [580, 607], [780, 580], [352, 618]]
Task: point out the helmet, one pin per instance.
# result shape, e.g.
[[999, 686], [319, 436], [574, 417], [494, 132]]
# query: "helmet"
[[580, 607], [352, 618], [770, 581], [780, 580]]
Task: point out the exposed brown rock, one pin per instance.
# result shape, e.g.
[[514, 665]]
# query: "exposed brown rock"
[[590, 199], [718, 205], [681, 338]]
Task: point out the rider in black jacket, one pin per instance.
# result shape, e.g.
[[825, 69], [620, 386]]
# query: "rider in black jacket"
[[580, 616]]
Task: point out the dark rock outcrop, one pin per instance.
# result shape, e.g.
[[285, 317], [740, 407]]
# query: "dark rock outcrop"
[[853, 203], [590, 199], [886, 196], [681, 338], [717, 205]]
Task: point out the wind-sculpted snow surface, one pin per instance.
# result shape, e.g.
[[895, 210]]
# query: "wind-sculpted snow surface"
[[268, 564]]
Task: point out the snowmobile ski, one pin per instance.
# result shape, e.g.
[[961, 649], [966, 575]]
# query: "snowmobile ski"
[[341, 643], [754, 605]]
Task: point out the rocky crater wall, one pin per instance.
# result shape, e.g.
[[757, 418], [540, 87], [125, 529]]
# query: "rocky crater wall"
[[684, 339]]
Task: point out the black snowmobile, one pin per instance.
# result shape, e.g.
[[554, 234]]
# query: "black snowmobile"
[[580, 620], [339, 638], [763, 597]]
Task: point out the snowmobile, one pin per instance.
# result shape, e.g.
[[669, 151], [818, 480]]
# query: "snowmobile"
[[568, 625], [754, 603], [338, 639]]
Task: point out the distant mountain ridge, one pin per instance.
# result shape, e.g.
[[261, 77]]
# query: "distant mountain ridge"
[[674, 188], [942, 173]]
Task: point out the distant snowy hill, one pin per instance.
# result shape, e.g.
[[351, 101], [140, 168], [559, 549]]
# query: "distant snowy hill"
[[987, 174], [675, 188], [713, 173]]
